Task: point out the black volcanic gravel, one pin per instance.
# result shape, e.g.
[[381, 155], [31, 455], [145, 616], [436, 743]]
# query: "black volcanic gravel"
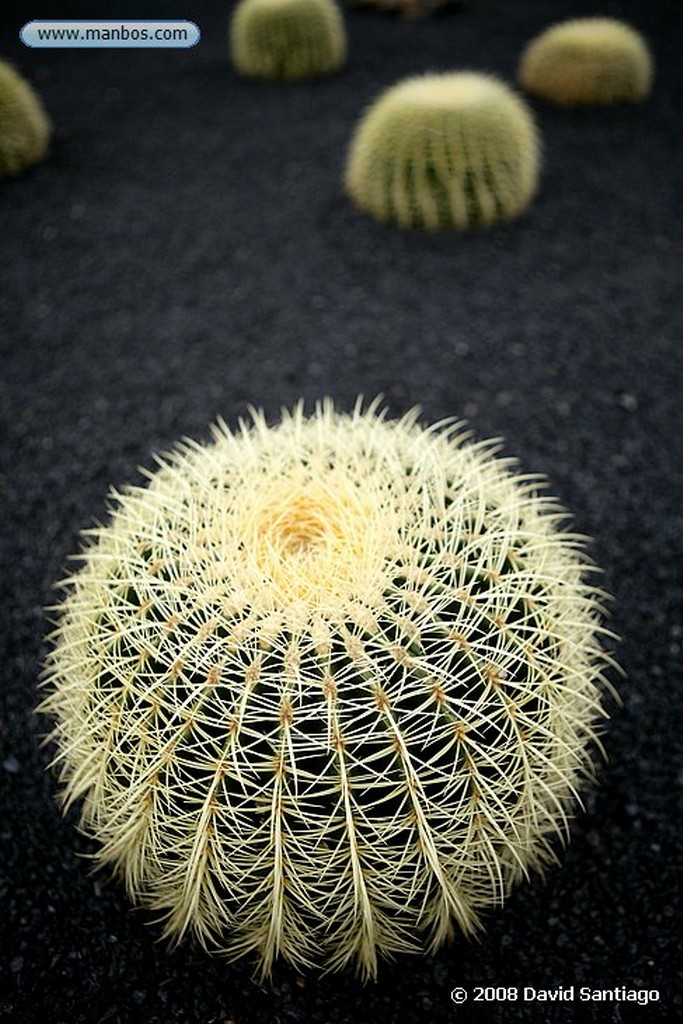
[[187, 250]]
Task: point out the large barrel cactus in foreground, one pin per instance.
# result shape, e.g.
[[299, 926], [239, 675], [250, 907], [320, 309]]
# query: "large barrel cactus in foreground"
[[327, 689], [450, 150]]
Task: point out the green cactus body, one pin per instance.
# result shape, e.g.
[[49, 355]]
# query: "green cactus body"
[[24, 125], [587, 61], [444, 151], [327, 689], [288, 39]]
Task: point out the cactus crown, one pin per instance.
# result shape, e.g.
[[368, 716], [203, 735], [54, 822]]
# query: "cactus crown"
[[446, 150], [328, 688], [24, 125], [588, 61], [288, 39]]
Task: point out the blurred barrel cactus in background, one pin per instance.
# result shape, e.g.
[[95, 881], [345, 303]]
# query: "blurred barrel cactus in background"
[[327, 689], [24, 126], [588, 61], [450, 150], [288, 39]]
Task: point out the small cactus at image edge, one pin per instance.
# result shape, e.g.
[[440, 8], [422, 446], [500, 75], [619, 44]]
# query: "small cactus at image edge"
[[289, 39], [587, 61], [327, 689], [24, 126], [451, 150]]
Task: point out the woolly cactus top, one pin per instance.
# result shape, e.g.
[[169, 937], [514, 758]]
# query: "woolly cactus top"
[[588, 60], [593, 34], [462, 90], [24, 125], [326, 689]]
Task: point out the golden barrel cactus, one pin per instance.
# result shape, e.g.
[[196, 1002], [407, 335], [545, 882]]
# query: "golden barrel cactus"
[[24, 126], [327, 689], [290, 39], [587, 61], [449, 150]]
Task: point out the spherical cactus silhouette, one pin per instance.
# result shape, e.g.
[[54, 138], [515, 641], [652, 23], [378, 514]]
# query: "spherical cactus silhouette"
[[444, 151], [288, 39], [24, 125], [327, 689], [587, 61]]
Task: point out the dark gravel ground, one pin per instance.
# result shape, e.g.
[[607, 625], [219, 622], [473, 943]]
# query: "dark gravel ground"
[[187, 250]]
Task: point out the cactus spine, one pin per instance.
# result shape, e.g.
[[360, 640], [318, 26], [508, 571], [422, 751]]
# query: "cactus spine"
[[24, 125], [326, 690], [589, 61], [441, 151], [289, 39]]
